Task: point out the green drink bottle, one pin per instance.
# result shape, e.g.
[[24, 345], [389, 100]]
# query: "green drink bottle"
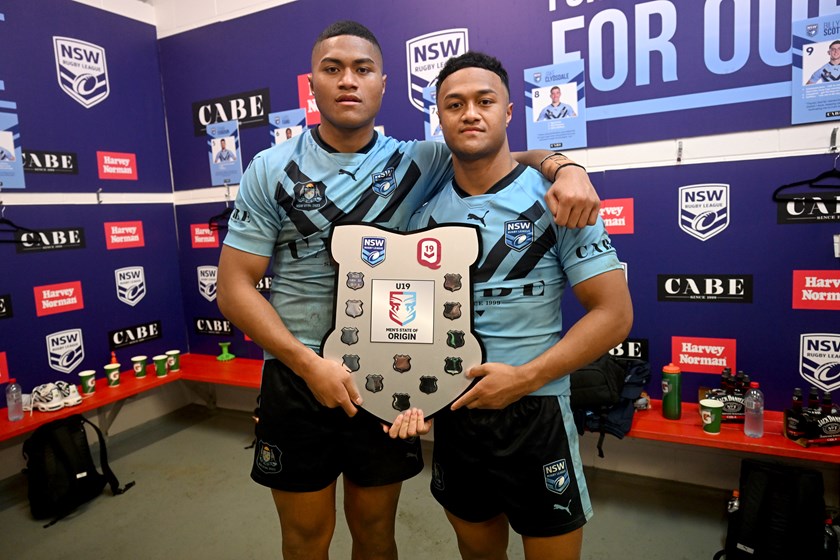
[[671, 398]]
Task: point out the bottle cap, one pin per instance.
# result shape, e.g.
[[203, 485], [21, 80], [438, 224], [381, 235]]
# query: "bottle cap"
[[753, 384], [735, 493], [670, 368]]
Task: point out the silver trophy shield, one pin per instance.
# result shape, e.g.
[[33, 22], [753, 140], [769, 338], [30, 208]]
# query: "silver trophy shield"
[[403, 315]]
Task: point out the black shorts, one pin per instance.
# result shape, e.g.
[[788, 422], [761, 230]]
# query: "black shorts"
[[522, 461], [303, 446]]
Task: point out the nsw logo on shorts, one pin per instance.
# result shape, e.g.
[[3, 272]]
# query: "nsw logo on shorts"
[[268, 458], [556, 476]]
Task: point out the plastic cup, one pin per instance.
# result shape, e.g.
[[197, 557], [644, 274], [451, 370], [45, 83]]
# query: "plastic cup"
[[160, 365], [112, 371], [138, 364], [173, 360], [88, 381], [711, 412]]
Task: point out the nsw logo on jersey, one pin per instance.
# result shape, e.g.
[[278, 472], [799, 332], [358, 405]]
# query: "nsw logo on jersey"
[[519, 234], [384, 183]]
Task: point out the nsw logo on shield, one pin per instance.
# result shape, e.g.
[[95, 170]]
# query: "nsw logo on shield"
[[373, 250], [131, 284], [704, 210], [819, 359], [207, 281], [427, 54], [81, 70], [65, 350]]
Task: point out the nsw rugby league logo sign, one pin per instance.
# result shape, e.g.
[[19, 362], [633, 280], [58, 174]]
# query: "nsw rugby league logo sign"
[[427, 54], [82, 70], [704, 210], [403, 315]]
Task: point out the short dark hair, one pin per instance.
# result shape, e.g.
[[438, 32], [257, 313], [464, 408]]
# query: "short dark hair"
[[472, 59], [555, 87], [348, 27], [834, 43]]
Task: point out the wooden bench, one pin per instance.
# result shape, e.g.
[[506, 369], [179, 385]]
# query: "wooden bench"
[[204, 372]]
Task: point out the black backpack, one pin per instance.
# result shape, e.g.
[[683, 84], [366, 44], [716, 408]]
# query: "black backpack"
[[781, 514], [604, 393], [60, 468]]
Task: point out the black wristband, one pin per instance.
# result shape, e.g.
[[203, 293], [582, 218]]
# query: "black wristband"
[[559, 167], [549, 156]]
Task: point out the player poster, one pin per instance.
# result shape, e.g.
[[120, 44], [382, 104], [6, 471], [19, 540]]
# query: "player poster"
[[555, 106], [224, 154], [816, 70], [11, 160], [430, 115], [285, 125]]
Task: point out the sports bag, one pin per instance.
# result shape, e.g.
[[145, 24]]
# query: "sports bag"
[[60, 469], [604, 393], [781, 515]]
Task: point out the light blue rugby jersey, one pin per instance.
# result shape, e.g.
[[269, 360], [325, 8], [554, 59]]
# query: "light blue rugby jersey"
[[521, 275], [827, 73], [291, 195]]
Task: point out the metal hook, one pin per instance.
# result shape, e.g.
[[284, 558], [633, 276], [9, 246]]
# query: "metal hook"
[[98, 199]]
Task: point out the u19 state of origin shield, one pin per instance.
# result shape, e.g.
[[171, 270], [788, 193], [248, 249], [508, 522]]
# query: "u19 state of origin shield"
[[403, 315]]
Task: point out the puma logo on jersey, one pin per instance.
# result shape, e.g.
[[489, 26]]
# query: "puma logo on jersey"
[[472, 216], [566, 508]]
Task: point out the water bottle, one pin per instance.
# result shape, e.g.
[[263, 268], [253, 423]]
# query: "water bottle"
[[754, 411], [14, 401], [671, 398], [829, 541], [734, 502]]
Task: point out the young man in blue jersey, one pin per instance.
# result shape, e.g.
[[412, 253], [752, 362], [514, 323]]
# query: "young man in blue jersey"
[[556, 109], [507, 451], [224, 155], [290, 196], [830, 71]]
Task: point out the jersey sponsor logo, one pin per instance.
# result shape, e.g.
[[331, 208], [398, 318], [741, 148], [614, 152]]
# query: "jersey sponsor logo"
[[6, 306], [49, 240], [268, 459], [207, 281], [373, 250], [309, 196], [402, 307], [556, 476], [82, 70], [429, 253], [721, 288], [426, 55], [128, 336], [519, 234], [212, 326], [65, 350], [249, 108], [58, 298], [816, 289], [809, 209], [131, 284], [703, 355], [704, 209], [64, 163], [384, 182], [124, 235], [819, 359]]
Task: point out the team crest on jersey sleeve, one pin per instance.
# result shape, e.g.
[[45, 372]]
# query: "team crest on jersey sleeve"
[[405, 316]]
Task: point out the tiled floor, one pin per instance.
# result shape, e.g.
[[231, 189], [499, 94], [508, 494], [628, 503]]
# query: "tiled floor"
[[194, 499]]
